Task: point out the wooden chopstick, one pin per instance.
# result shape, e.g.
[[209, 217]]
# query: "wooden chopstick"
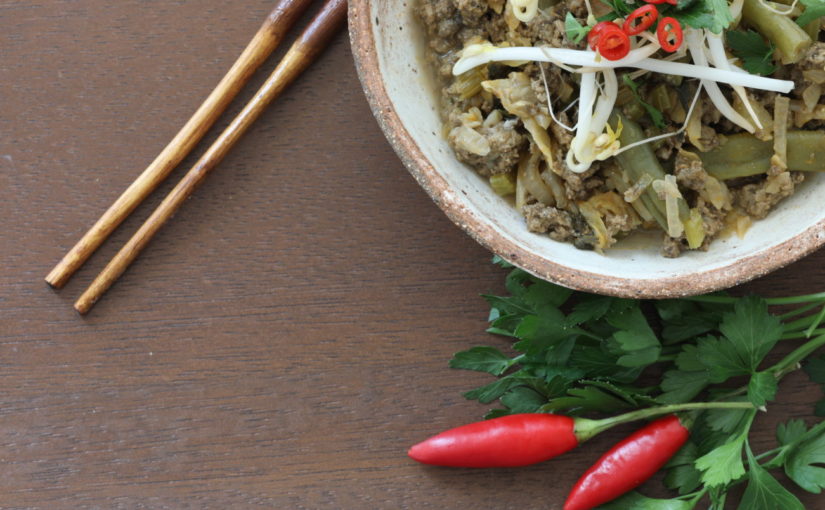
[[268, 37], [311, 42]]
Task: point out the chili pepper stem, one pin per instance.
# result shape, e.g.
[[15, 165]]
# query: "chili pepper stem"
[[587, 429]]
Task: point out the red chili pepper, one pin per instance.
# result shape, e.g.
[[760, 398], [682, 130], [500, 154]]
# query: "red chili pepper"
[[614, 45], [508, 441], [657, 2], [640, 20], [670, 34], [628, 464], [596, 32]]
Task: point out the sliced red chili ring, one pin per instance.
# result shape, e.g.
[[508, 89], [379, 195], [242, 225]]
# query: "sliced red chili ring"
[[614, 44], [640, 20], [595, 33], [670, 34]]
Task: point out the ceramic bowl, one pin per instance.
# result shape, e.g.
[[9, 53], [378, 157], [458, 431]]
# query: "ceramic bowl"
[[388, 46]]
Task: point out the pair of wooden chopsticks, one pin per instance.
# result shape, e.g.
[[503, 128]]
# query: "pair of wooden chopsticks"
[[310, 43]]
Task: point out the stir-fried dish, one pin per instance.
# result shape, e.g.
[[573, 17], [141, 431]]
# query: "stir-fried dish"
[[604, 117]]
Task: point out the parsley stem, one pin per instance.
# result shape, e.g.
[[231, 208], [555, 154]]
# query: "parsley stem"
[[586, 429], [789, 300], [790, 362], [798, 311], [795, 335]]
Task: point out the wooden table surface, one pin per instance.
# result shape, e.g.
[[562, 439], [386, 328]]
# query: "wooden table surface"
[[285, 338]]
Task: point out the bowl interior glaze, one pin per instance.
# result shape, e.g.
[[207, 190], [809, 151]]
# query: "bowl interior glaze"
[[388, 45]]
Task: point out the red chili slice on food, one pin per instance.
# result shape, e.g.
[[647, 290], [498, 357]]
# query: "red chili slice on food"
[[614, 44], [640, 20], [670, 34], [597, 31]]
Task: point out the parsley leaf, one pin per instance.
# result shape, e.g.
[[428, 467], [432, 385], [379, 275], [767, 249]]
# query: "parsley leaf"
[[752, 330], [482, 359], [756, 55], [764, 492], [790, 432], [721, 358], [688, 381], [814, 9], [724, 464], [589, 308], [679, 386], [802, 463], [490, 392], [682, 475], [762, 388], [714, 15], [683, 320], [726, 420], [523, 400], [635, 337], [575, 31]]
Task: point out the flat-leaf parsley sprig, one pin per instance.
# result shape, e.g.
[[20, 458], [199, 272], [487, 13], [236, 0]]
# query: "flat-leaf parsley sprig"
[[580, 354]]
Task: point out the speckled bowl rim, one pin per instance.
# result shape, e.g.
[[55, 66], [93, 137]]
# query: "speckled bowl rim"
[[740, 271]]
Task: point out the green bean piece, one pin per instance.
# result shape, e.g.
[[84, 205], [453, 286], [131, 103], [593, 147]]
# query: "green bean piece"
[[790, 39], [642, 160], [743, 155]]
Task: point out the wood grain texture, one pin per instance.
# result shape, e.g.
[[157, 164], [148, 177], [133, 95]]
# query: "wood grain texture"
[[285, 338]]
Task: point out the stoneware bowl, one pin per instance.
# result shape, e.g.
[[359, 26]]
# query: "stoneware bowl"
[[388, 46]]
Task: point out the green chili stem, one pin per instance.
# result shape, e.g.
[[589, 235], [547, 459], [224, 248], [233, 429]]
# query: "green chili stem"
[[586, 429]]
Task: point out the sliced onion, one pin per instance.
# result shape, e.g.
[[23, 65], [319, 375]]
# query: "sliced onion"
[[530, 177], [669, 192]]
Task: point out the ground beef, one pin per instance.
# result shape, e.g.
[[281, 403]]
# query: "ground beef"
[[443, 22], [556, 223], [758, 199], [689, 171], [814, 58], [672, 248], [713, 221], [506, 145], [471, 10], [546, 29], [580, 186]]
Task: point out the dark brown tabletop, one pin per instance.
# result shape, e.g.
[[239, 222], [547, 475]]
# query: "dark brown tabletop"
[[285, 337]]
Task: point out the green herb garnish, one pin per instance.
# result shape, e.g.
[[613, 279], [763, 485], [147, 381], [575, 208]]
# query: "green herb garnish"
[[814, 9], [575, 30], [756, 55]]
